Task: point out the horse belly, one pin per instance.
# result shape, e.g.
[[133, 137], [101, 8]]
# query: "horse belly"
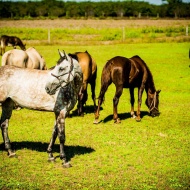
[[30, 93], [36, 102]]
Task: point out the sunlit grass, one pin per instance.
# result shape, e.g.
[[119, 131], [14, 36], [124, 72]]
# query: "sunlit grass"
[[151, 154]]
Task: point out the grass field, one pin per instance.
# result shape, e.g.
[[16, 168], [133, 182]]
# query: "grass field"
[[93, 31], [151, 154]]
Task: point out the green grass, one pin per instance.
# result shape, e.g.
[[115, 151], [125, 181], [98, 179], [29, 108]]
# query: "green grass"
[[151, 154]]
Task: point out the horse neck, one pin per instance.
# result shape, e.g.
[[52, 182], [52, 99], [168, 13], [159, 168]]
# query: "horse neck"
[[22, 46], [150, 87]]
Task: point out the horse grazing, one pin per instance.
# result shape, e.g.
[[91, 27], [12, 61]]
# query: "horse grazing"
[[89, 69], [27, 59], [128, 73], [12, 41], [53, 90]]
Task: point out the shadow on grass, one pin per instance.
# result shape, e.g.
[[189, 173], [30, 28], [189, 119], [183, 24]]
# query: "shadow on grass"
[[70, 151], [87, 110], [124, 116]]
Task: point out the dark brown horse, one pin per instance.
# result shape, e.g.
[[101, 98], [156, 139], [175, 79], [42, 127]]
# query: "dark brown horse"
[[128, 73], [10, 40], [89, 69]]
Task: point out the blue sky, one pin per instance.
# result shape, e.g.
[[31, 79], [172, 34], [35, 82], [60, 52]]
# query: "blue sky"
[[156, 2]]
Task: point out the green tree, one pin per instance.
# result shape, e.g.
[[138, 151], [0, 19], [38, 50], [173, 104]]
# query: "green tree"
[[174, 6]]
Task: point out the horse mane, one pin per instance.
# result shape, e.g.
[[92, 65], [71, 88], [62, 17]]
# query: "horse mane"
[[74, 56], [150, 81]]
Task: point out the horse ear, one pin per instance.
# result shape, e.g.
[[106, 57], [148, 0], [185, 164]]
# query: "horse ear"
[[158, 91], [60, 53], [65, 55]]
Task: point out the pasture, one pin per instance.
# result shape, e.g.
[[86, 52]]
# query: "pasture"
[[151, 154]]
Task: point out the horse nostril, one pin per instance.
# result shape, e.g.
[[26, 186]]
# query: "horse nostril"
[[47, 89]]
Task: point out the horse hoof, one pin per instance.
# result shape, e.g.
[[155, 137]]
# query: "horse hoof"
[[138, 119], [67, 165], [52, 159], [133, 116], [95, 121], [117, 121], [12, 155]]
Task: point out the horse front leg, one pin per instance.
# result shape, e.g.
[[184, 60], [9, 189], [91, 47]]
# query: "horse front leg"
[[119, 90], [132, 100], [61, 135], [51, 144], [7, 108], [140, 92]]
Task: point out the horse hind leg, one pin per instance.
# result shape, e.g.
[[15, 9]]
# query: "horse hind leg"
[[7, 108], [83, 96], [132, 100], [119, 90], [93, 85], [103, 90], [80, 101]]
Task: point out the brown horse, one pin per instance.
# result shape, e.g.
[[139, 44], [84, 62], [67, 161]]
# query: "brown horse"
[[89, 69], [10, 40], [128, 73]]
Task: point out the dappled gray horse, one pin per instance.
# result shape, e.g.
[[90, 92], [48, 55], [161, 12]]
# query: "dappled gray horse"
[[10, 41], [28, 59], [53, 90]]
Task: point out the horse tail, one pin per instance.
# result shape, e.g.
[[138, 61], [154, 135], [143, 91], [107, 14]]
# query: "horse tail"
[[106, 79], [6, 59], [90, 58]]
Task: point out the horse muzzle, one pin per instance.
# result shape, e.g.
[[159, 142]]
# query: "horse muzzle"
[[50, 92], [154, 113]]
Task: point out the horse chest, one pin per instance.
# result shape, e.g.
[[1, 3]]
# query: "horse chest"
[[66, 99]]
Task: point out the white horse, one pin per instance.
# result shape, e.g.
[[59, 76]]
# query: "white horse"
[[53, 90], [26, 59], [35, 61]]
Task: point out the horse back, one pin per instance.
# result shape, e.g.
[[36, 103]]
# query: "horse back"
[[126, 72], [142, 69], [116, 70], [36, 61], [15, 57]]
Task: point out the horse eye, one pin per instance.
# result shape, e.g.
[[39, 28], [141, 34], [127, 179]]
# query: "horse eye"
[[61, 69]]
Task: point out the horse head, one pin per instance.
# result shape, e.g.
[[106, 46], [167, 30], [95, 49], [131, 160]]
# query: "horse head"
[[61, 75], [23, 47], [152, 103]]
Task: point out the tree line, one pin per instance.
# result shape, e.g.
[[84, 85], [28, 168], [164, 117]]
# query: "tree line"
[[119, 9]]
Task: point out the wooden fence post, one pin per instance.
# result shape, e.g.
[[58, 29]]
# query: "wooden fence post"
[[123, 33], [187, 30], [49, 36]]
